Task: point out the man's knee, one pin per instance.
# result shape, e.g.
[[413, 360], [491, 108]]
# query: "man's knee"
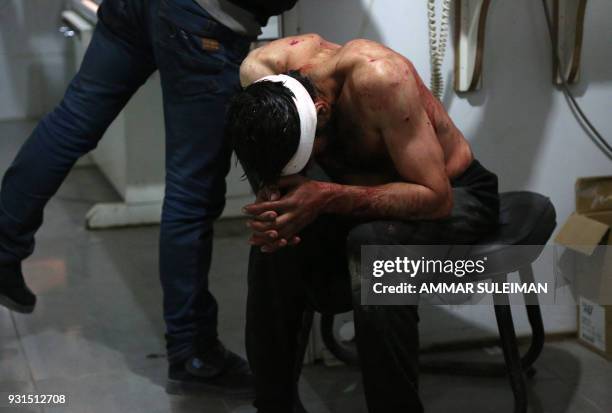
[[372, 233], [357, 237], [185, 202], [66, 130]]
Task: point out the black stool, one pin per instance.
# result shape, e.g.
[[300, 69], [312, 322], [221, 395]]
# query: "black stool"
[[526, 218]]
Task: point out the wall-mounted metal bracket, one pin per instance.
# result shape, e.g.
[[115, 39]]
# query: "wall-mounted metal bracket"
[[470, 22], [568, 28]]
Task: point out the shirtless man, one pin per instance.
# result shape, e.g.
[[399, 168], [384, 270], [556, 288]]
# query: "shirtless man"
[[396, 171]]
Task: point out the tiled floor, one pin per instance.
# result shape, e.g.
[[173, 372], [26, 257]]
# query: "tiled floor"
[[98, 327]]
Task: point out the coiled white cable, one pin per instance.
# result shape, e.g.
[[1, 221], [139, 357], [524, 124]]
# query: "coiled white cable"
[[437, 44]]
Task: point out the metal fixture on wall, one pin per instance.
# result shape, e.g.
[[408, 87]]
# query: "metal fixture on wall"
[[470, 23], [568, 28], [593, 133]]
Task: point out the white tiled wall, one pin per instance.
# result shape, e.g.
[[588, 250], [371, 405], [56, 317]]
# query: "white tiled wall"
[[35, 63]]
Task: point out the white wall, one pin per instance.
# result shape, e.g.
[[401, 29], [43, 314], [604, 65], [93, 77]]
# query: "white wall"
[[519, 124], [34, 58]]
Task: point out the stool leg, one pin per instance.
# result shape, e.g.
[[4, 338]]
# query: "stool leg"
[[507, 336], [303, 339], [535, 320], [346, 355]]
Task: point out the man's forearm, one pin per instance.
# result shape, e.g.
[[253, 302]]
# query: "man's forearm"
[[401, 201]]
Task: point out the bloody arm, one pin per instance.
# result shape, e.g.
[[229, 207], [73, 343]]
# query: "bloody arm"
[[401, 201], [395, 109]]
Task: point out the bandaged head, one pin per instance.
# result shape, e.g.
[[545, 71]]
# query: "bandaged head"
[[308, 122]]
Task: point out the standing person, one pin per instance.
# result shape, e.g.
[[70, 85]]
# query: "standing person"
[[198, 48]]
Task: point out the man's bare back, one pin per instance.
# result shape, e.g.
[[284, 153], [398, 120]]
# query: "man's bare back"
[[359, 155]]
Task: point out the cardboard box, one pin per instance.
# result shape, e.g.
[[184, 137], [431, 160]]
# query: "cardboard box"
[[595, 326], [588, 233]]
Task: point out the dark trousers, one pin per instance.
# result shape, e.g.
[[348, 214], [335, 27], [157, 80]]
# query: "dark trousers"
[[315, 275], [133, 39]]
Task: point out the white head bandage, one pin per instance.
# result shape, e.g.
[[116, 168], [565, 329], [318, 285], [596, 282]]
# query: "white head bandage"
[[308, 122]]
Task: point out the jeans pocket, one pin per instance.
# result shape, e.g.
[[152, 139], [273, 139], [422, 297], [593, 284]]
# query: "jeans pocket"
[[189, 63]]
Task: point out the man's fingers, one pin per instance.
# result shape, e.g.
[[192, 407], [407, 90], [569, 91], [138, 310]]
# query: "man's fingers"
[[287, 225], [261, 226], [257, 240], [266, 216], [260, 208], [268, 236], [261, 238], [269, 241], [284, 220], [275, 196], [268, 193], [274, 246]]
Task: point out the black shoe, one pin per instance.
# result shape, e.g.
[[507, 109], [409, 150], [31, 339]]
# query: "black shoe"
[[14, 293], [217, 371]]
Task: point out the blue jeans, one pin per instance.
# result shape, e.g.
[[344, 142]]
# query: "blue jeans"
[[133, 39]]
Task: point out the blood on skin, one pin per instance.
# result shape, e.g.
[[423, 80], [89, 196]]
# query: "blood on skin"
[[371, 200], [431, 105], [294, 42], [368, 196]]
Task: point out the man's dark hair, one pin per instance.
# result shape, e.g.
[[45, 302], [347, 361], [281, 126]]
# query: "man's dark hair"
[[263, 125]]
